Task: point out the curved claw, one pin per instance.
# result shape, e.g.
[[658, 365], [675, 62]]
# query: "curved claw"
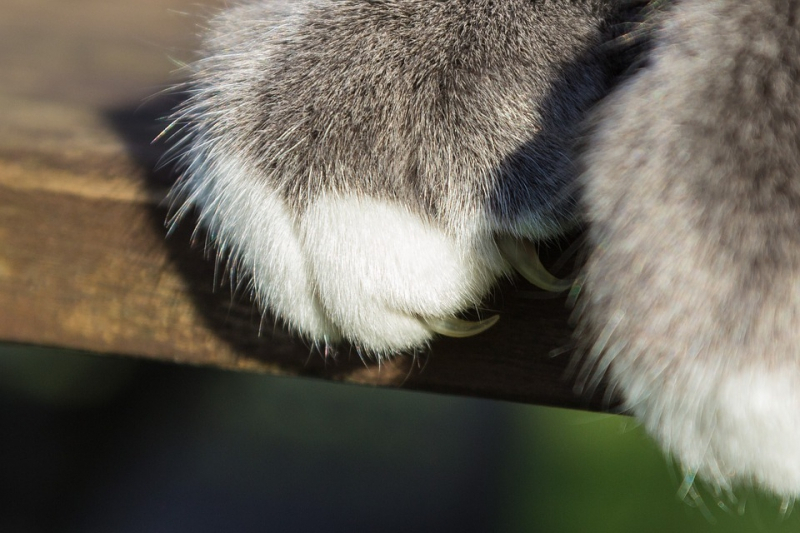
[[526, 262], [456, 327]]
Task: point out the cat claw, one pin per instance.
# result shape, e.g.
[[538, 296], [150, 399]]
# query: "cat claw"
[[525, 260], [458, 328]]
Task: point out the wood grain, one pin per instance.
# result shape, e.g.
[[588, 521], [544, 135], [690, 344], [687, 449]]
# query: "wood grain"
[[84, 258]]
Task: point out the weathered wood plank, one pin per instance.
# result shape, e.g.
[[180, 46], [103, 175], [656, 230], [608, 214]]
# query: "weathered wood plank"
[[84, 262]]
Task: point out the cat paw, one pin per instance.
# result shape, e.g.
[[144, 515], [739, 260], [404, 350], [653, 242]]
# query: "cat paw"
[[373, 168], [689, 300]]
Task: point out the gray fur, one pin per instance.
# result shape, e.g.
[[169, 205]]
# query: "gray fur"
[[457, 109], [692, 194]]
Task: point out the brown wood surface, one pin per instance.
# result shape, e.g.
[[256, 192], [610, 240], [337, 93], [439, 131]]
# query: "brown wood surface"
[[84, 258]]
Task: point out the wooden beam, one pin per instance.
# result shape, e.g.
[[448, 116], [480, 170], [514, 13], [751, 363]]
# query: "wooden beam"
[[84, 258]]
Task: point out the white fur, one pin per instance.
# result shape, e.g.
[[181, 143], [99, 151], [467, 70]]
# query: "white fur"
[[252, 224], [761, 429], [351, 267], [379, 267], [742, 429]]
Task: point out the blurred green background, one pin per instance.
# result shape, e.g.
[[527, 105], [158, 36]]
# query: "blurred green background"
[[103, 444]]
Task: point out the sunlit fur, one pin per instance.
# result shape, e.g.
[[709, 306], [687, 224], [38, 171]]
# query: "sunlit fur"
[[692, 195]]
